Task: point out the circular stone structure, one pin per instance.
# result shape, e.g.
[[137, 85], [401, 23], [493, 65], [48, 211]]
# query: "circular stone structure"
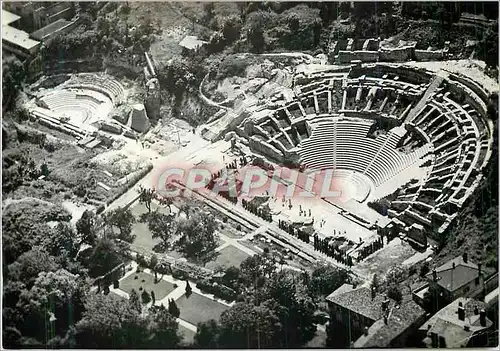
[[380, 128]]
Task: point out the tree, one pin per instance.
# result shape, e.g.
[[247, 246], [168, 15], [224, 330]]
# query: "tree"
[[111, 323], [134, 301], [123, 219], [165, 329], [44, 170], [395, 275], [326, 279], [394, 293], [153, 297], [232, 278], [209, 12], [488, 47], [145, 297], [86, 227], [56, 294], [62, 241], [13, 75], [207, 335], [162, 227], [106, 255], [246, 325], [375, 283], [231, 28], [424, 269], [198, 239], [146, 196], [30, 264], [256, 269], [256, 38], [188, 289], [293, 21], [296, 309], [173, 309], [153, 264]]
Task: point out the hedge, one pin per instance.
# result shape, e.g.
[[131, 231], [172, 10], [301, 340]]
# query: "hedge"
[[218, 290]]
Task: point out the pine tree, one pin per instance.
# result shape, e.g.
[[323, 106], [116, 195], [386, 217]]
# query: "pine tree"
[[134, 301], [173, 309]]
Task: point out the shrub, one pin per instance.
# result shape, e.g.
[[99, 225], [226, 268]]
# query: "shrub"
[[218, 290], [394, 293], [116, 284], [173, 309], [238, 227], [142, 261], [179, 274], [146, 298], [424, 269]]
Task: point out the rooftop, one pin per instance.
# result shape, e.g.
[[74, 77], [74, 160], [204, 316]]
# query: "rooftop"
[[445, 322], [8, 17], [453, 278], [18, 37], [49, 29], [398, 321], [359, 300]]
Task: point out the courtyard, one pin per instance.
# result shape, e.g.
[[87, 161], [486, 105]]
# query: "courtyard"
[[144, 281], [197, 308], [228, 256]]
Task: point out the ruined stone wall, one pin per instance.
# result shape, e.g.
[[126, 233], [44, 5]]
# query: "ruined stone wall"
[[429, 55], [398, 54], [263, 148], [364, 56]]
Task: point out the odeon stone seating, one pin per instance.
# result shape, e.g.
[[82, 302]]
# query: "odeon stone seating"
[[106, 85]]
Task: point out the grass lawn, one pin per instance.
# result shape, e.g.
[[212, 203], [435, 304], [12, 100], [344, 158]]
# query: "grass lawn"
[[228, 256], [161, 288], [198, 308], [187, 334], [144, 242]]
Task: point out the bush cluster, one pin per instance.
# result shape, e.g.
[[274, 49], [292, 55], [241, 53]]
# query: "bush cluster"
[[221, 291]]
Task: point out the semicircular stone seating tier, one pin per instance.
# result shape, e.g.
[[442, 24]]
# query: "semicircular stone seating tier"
[[100, 83], [344, 144], [80, 106]]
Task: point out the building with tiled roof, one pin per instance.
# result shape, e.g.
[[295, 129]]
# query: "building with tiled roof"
[[395, 330], [458, 277], [462, 323], [373, 320], [361, 302]]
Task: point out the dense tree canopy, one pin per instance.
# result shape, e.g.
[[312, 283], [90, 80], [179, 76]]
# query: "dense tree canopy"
[[198, 239]]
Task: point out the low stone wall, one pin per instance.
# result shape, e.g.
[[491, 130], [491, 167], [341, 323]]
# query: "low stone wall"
[[364, 56], [429, 55], [397, 54]]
